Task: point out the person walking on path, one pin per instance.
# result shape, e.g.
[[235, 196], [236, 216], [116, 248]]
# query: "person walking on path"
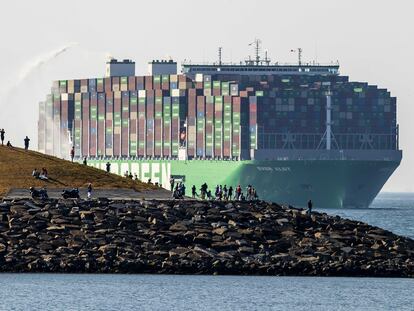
[[193, 191], [72, 153], [89, 190], [26, 143], [310, 204], [108, 167], [2, 136], [85, 162]]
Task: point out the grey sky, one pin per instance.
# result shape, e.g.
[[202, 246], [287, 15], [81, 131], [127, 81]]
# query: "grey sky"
[[373, 41]]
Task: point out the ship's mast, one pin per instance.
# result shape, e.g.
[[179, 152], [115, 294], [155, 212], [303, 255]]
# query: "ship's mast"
[[256, 44], [219, 54]]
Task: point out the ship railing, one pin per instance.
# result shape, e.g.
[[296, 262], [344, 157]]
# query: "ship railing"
[[343, 141]]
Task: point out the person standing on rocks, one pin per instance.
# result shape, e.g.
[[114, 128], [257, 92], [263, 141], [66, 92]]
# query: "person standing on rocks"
[[193, 191], [89, 190], [238, 192], [171, 183], [225, 193], [108, 167], [2, 136], [26, 143], [310, 204], [85, 162], [230, 193]]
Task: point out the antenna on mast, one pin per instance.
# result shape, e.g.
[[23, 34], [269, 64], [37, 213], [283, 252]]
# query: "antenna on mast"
[[219, 54], [299, 50], [256, 43]]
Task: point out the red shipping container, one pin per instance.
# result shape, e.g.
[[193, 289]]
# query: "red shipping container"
[[131, 84], [209, 128], [148, 83], [236, 126], [116, 84], [218, 128], [125, 124], [108, 85]]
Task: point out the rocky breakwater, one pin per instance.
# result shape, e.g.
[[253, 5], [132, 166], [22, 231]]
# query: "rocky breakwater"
[[193, 237]]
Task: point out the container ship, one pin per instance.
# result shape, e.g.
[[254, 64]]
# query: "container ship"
[[294, 131]]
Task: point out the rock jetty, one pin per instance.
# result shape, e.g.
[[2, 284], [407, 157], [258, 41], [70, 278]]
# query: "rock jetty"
[[193, 237]]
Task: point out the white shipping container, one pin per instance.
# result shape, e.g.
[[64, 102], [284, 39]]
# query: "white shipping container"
[[199, 77]]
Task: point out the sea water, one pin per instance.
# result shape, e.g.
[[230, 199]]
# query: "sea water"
[[394, 212]]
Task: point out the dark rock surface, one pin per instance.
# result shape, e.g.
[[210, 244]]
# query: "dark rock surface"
[[193, 237]]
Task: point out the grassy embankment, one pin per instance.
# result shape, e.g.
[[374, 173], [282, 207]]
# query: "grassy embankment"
[[16, 166]]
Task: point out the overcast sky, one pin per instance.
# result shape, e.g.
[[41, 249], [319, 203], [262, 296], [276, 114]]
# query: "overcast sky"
[[373, 41]]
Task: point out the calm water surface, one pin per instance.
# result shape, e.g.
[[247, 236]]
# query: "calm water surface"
[[167, 292], [391, 211]]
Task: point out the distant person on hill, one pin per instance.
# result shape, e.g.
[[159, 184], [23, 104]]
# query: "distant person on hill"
[[135, 176], [89, 190], [310, 204], [43, 174], [9, 144], [72, 153], [130, 176], [35, 173], [2, 136], [85, 162], [26, 143], [193, 191], [108, 167]]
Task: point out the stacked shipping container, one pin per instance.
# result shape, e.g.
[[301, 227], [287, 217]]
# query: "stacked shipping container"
[[211, 116]]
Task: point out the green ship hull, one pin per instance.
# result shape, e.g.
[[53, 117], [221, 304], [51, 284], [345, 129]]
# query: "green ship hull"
[[329, 183]]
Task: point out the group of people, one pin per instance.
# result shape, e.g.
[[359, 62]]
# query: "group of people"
[[221, 193], [8, 144], [178, 190], [42, 174]]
